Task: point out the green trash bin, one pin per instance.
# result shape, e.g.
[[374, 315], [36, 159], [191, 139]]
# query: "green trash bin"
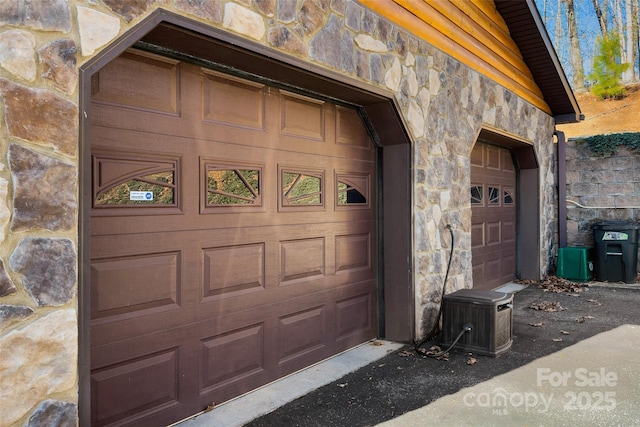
[[616, 251], [575, 263]]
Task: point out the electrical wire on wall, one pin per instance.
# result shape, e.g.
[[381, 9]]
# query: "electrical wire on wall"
[[436, 327]]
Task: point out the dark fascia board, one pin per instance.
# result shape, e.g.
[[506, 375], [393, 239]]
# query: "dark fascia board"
[[523, 17]]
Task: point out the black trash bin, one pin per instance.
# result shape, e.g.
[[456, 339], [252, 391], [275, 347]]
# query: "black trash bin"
[[616, 251]]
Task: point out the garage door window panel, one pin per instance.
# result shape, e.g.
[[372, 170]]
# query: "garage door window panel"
[[232, 185], [477, 195], [352, 190], [134, 183], [301, 189], [508, 197], [494, 195]]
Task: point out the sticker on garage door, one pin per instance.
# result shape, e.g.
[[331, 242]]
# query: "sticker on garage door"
[[142, 196]]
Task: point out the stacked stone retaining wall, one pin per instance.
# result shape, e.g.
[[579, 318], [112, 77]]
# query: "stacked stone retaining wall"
[[608, 187]]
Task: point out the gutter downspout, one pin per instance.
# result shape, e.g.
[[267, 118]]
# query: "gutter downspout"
[[562, 189]]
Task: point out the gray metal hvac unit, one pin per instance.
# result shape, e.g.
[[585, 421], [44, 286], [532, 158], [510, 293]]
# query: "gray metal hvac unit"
[[490, 315]]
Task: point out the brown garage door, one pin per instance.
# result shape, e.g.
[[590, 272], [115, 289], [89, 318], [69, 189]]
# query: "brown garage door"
[[232, 237], [493, 216]]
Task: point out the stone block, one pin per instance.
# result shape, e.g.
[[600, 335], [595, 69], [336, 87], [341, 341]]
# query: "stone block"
[[54, 413], [129, 9], [42, 361], [17, 54], [44, 191], [244, 21], [41, 117], [96, 28], [50, 15], [58, 59], [211, 10], [48, 267], [6, 284], [9, 313]]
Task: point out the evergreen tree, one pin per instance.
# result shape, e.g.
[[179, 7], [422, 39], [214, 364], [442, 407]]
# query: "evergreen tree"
[[607, 67]]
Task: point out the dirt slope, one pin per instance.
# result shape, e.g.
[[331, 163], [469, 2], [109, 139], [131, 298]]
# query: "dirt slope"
[[606, 116]]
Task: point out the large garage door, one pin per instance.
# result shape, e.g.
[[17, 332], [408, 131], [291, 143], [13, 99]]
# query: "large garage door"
[[493, 216], [232, 237]]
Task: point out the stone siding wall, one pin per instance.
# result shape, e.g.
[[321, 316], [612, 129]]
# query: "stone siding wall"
[[612, 183], [42, 46]]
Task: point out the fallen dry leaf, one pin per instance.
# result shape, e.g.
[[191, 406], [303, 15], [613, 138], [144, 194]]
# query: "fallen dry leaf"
[[557, 284], [472, 361], [564, 332], [210, 407], [536, 325], [434, 350], [584, 318], [594, 302], [377, 343], [547, 306]]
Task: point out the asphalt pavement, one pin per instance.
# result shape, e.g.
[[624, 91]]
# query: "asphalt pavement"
[[575, 360]]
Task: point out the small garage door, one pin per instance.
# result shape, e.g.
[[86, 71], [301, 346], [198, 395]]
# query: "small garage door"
[[232, 237], [493, 216]]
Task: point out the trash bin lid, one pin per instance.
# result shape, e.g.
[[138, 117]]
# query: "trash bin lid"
[[475, 295], [615, 225]]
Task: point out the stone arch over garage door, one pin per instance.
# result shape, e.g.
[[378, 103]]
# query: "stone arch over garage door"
[[515, 232], [176, 37]]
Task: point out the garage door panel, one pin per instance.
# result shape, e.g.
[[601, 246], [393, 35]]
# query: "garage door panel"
[[493, 266], [509, 231], [135, 387], [300, 334], [232, 357], [232, 101], [493, 157], [136, 285], [119, 83], [352, 252], [478, 271], [301, 260], [477, 235], [493, 233], [507, 262], [350, 130], [232, 271], [302, 117], [354, 316], [507, 162]]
